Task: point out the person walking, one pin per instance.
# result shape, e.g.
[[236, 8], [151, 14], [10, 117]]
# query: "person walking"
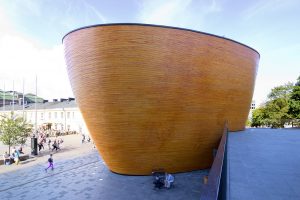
[[55, 146], [83, 139], [50, 162], [49, 144], [41, 145]]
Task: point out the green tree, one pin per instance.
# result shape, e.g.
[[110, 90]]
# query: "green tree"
[[294, 103], [14, 130], [282, 91], [277, 107], [275, 112], [257, 119]]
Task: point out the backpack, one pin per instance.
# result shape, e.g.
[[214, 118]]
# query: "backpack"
[[50, 160]]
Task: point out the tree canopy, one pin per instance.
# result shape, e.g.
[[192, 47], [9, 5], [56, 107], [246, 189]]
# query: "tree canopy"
[[294, 102], [282, 106], [14, 130]]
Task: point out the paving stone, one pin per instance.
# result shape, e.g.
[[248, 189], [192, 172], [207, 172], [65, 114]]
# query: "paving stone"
[[86, 177]]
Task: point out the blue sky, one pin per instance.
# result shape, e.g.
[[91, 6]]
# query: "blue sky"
[[37, 27]]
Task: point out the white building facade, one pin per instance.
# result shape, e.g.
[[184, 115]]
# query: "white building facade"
[[252, 107], [60, 116]]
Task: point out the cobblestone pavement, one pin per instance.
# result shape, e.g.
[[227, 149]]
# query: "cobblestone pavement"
[[87, 177], [71, 147]]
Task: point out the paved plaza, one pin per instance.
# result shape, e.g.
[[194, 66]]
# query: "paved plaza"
[[85, 176], [264, 164]]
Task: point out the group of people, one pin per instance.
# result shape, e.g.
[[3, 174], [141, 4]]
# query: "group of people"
[[163, 180], [55, 145], [14, 157], [88, 139]]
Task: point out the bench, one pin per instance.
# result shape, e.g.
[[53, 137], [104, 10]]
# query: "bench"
[[22, 158]]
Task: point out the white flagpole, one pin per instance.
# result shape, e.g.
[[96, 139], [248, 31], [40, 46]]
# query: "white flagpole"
[[4, 97], [35, 105], [13, 103], [23, 101]]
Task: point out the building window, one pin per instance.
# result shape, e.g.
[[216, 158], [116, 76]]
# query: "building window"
[[68, 115], [42, 116], [73, 115], [62, 114], [55, 115], [49, 115], [68, 127]]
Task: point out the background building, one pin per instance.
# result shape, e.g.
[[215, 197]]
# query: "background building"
[[60, 115], [252, 107], [8, 97]]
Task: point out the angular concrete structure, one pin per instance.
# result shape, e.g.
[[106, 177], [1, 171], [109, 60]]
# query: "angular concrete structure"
[[158, 97]]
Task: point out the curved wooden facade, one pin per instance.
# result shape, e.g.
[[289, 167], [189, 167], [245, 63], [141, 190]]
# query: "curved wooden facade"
[[156, 97]]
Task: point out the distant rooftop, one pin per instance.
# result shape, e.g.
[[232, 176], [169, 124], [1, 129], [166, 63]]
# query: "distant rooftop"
[[65, 103], [10, 95]]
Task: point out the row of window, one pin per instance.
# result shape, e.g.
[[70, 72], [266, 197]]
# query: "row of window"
[[55, 115], [56, 126]]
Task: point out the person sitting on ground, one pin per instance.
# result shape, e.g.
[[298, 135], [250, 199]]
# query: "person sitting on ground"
[[6, 159], [158, 182], [169, 180]]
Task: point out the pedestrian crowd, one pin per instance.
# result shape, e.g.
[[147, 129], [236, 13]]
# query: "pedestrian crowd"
[[42, 140], [52, 145]]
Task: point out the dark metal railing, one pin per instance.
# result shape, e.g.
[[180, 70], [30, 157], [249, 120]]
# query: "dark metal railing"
[[216, 187]]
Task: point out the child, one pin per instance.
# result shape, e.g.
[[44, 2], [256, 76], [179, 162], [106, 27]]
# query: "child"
[[50, 161]]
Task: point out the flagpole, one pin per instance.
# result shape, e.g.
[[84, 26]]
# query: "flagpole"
[[13, 103], [35, 105], [4, 97], [23, 101]]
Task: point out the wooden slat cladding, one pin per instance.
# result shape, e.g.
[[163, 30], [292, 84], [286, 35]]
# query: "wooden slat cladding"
[[156, 97]]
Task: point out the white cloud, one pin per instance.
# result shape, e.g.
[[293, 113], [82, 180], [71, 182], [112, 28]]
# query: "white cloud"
[[5, 26], [21, 59]]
